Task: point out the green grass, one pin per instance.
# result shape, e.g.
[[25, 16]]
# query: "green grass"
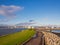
[[16, 38]]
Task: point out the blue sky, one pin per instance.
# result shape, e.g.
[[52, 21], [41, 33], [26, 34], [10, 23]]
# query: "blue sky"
[[41, 11]]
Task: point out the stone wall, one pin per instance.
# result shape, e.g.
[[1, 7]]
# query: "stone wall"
[[51, 39]]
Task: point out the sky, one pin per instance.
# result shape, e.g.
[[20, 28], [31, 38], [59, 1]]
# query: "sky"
[[41, 12]]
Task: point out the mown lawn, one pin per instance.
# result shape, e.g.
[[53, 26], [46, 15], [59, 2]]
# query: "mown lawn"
[[16, 38]]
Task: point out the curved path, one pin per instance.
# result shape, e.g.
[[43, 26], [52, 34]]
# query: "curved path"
[[35, 40]]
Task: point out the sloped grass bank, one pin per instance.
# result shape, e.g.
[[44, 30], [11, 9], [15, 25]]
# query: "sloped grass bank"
[[16, 38]]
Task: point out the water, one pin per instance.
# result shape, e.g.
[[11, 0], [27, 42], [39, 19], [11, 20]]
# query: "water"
[[56, 31], [9, 31]]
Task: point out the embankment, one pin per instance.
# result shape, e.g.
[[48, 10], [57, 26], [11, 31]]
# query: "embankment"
[[16, 38], [51, 38]]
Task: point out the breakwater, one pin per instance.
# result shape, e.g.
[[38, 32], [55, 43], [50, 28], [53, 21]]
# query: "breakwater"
[[51, 39]]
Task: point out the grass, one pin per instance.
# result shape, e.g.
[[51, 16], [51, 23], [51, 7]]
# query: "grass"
[[16, 38]]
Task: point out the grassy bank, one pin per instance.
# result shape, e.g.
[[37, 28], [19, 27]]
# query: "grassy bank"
[[16, 38]]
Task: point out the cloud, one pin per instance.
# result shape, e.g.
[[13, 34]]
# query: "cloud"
[[3, 20], [25, 24], [45, 19], [31, 20], [9, 11]]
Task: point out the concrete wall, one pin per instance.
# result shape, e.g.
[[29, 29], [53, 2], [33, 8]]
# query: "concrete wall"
[[51, 39]]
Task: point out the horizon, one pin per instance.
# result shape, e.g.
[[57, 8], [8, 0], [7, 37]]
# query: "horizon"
[[40, 12]]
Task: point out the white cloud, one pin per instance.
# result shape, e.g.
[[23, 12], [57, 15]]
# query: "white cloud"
[[9, 11], [3, 20], [45, 19]]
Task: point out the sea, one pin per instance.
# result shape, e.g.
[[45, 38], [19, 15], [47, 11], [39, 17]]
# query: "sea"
[[56, 31], [10, 31]]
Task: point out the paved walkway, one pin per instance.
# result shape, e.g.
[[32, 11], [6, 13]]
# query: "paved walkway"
[[35, 40]]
